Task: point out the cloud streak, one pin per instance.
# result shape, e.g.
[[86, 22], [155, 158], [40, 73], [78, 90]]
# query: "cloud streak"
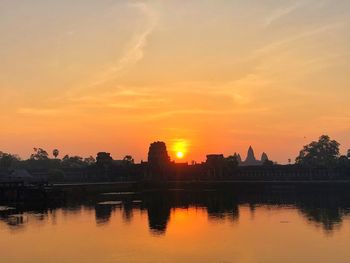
[[281, 12], [307, 33], [136, 51]]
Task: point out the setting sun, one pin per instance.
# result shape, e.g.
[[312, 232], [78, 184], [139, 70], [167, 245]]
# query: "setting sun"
[[179, 148], [180, 155]]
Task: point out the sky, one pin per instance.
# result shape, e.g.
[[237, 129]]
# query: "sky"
[[205, 76]]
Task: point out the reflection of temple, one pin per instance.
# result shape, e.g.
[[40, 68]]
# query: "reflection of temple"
[[103, 213], [158, 210], [325, 208], [158, 218]]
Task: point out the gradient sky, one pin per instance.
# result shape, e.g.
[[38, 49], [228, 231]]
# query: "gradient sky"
[[215, 76]]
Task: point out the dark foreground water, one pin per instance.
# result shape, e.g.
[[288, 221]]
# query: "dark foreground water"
[[180, 226]]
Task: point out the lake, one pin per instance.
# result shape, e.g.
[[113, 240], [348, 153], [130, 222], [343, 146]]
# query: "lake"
[[180, 226]]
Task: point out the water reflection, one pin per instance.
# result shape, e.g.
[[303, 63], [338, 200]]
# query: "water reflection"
[[103, 213], [158, 210], [324, 209]]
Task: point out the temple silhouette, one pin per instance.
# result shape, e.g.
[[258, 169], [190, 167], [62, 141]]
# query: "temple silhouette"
[[250, 159], [158, 170]]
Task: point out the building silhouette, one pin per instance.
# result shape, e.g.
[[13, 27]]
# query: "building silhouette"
[[251, 160], [214, 165], [158, 160]]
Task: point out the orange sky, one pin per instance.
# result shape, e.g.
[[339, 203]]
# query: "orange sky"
[[116, 75]]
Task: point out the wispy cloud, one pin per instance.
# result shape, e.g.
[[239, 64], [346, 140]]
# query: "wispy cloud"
[[281, 12], [306, 33], [136, 50]]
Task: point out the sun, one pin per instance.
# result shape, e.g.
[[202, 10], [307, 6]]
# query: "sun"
[[180, 155], [179, 148]]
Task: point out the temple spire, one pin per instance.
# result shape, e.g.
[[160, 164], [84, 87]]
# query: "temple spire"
[[250, 155]]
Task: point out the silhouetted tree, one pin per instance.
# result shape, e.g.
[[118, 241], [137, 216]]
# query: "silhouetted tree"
[[323, 152], [128, 159], [6, 160], [348, 153], [104, 159], [89, 160], [55, 153], [39, 154], [73, 161]]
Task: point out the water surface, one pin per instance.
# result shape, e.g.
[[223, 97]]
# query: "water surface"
[[180, 226]]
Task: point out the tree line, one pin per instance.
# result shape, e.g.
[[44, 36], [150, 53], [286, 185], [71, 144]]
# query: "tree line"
[[324, 152], [40, 159]]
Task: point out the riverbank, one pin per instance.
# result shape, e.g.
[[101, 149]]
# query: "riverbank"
[[20, 192], [198, 185]]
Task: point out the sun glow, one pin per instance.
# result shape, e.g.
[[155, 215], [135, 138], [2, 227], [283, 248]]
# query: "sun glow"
[[179, 148], [180, 155]]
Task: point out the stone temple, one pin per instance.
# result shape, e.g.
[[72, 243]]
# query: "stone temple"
[[251, 160]]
